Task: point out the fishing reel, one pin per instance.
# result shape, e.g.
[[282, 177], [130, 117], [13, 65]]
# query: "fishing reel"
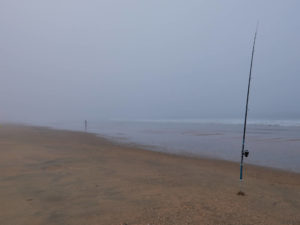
[[246, 153]]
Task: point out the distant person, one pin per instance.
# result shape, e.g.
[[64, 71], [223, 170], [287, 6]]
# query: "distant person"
[[85, 125]]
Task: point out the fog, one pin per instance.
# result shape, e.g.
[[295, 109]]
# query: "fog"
[[69, 60]]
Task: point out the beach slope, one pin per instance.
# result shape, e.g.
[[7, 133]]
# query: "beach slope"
[[72, 178]]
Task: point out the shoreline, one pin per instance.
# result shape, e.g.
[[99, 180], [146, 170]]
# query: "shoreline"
[[149, 148], [53, 176], [274, 147], [152, 148]]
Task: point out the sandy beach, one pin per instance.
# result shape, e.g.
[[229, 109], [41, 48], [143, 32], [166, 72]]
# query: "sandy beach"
[[72, 178]]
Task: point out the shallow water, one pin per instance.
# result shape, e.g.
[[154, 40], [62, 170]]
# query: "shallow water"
[[269, 145]]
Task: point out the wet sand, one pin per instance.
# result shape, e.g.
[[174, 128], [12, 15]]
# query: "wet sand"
[[63, 177]]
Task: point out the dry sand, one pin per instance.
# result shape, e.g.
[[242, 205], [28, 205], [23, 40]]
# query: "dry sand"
[[72, 178]]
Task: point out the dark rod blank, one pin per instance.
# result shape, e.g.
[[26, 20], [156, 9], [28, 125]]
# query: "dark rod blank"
[[246, 111]]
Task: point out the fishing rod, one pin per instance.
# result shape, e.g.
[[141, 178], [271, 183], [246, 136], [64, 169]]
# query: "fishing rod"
[[246, 152]]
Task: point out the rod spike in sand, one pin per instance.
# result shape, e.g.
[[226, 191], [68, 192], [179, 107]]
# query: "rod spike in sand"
[[245, 152]]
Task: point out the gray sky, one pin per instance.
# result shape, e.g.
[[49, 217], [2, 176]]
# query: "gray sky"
[[134, 59]]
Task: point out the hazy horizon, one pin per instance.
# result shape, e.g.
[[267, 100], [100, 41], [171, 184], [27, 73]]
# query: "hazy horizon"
[[97, 60]]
